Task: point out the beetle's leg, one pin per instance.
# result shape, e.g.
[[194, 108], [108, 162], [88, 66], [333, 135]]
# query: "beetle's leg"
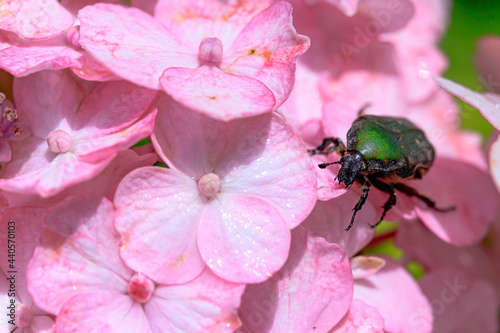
[[329, 145], [413, 193], [391, 201], [365, 187]]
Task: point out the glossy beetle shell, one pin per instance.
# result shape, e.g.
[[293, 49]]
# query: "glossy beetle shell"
[[393, 147]]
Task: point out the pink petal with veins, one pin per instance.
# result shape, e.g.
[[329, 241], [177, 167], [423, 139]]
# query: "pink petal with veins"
[[132, 43], [217, 94], [207, 304], [154, 204], [35, 19], [311, 293], [243, 239], [73, 250]]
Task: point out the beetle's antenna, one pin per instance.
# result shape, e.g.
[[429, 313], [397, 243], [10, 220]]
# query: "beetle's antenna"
[[324, 165], [365, 106]]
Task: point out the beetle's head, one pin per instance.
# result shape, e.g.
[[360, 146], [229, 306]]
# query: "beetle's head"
[[353, 163]]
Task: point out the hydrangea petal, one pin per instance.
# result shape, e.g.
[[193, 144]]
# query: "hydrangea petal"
[[206, 304], [132, 43], [46, 180], [266, 49], [329, 219], [42, 91], [487, 104], [223, 20], [74, 247], [281, 172], [361, 318], [154, 204], [466, 224], [312, 292], [21, 58], [262, 155], [217, 94], [117, 313], [397, 297], [243, 239], [460, 303], [35, 19], [103, 184]]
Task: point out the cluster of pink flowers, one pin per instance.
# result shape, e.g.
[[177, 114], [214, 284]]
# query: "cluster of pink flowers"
[[223, 222]]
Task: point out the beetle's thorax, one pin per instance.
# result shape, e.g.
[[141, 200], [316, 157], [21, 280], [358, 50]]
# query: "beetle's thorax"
[[353, 163]]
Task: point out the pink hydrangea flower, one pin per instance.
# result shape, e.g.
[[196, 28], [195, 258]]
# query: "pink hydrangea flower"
[[77, 274], [311, 293], [232, 193], [74, 133], [103, 184], [227, 61], [36, 35], [19, 233]]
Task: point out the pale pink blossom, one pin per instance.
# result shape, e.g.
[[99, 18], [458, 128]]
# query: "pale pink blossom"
[[76, 273], [311, 293], [95, 126], [232, 193], [227, 61], [20, 230]]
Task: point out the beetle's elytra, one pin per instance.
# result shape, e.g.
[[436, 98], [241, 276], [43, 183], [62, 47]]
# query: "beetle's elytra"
[[381, 151]]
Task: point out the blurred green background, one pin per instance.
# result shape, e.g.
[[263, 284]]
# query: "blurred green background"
[[469, 20]]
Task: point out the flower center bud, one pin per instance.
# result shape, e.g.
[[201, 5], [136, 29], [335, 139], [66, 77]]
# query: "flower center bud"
[[141, 288], [209, 185], [23, 316], [59, 141], [210, 51]]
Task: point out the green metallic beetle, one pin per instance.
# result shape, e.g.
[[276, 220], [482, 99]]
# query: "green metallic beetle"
[[381, 151]]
